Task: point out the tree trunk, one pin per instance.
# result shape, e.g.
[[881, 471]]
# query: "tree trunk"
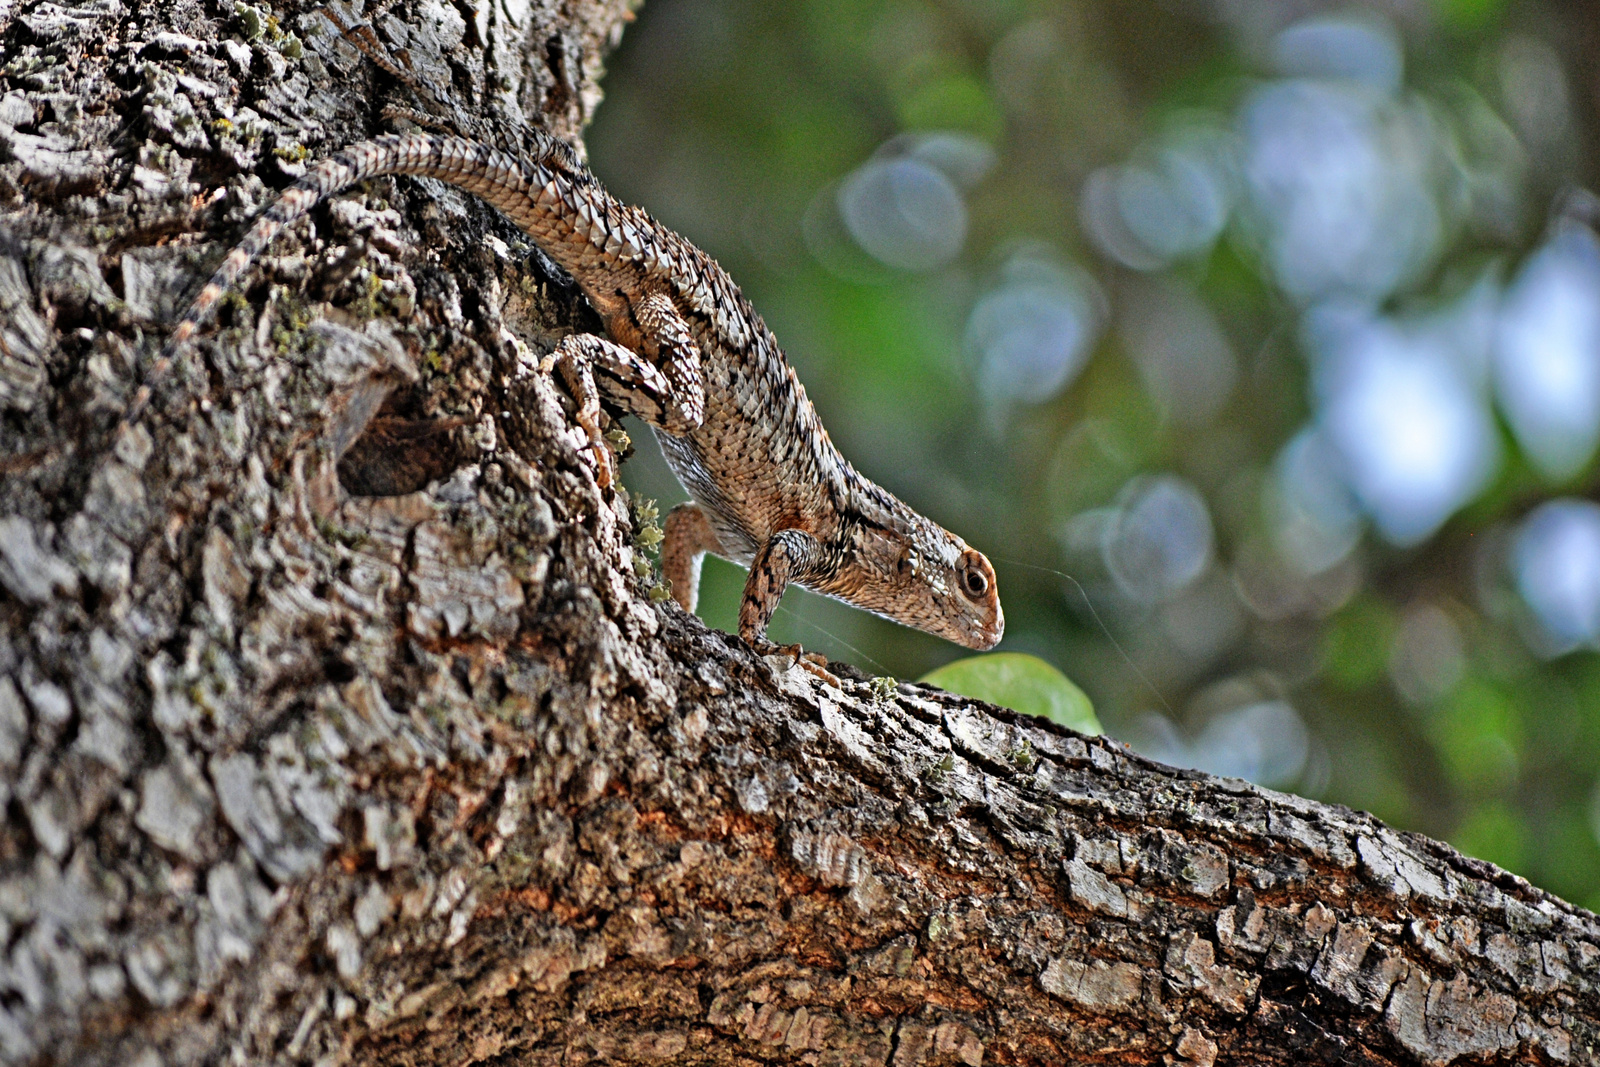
[[336, 724]]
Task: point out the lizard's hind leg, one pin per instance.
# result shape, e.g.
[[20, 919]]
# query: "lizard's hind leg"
[[680, 363], [670, 396], [628, 380]]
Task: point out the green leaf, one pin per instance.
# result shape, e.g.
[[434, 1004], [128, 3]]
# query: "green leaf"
[[1021, 682]]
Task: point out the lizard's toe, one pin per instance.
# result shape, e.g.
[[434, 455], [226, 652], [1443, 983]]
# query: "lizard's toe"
[[814, 663], [604, 466], [810, 665], [605, 469]]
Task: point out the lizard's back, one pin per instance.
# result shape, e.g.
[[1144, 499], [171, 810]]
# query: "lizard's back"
[[760, 461]]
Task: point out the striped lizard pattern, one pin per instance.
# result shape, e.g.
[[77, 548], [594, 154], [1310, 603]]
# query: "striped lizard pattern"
[[687, 353]]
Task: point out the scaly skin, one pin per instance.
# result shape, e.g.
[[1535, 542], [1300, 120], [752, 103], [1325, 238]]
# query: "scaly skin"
[[690, 356]]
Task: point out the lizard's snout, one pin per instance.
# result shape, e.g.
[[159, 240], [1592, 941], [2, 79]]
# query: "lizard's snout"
[[985, 633], [992, 633]]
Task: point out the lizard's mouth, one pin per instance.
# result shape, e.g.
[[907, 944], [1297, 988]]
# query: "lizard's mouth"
[[982, 634]]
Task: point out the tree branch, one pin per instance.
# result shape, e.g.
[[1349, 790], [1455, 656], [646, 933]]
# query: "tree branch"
[[297, 773]]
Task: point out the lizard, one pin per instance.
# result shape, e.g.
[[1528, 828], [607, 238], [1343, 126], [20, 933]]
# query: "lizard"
[[689, 355]]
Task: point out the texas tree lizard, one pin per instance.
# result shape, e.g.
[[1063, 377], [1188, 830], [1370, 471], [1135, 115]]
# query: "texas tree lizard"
[[690, 356]]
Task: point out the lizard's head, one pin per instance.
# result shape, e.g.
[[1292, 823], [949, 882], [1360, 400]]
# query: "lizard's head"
[[972, 613], [923, 576]]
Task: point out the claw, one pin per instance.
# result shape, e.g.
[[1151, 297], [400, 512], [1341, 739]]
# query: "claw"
[[605, 472], [817, 670], [604, 469], [813, 663]]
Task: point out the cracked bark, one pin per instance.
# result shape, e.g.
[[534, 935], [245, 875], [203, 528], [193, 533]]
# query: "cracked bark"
[[294, 772]]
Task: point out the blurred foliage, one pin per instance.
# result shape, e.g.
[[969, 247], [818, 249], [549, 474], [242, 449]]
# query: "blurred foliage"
[[1021, 682], [1269, 324]]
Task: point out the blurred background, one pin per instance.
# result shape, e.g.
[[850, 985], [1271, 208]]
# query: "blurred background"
[[1261, 337]]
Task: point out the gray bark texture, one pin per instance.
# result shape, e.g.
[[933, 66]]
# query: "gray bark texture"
[[338, 723]]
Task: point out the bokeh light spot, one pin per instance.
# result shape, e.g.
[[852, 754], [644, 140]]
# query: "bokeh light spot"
[[1547, 359], [1265, 742], [1161, 539], [1556, 562], [1031, 336], [1338, 183], [1429, 654], [904, 212], [1171, 203], [1315, 521], [1359, 49], [1184, 357], [1409, 421]]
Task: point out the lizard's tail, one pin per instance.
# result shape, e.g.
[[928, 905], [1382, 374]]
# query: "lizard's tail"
[[370, 159], [468, 165]]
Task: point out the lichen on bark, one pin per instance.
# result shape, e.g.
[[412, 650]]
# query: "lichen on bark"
[[298, 772]]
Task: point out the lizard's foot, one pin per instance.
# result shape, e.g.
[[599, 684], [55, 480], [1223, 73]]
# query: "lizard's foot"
[[605, 470], [814, 663], [574, 359]]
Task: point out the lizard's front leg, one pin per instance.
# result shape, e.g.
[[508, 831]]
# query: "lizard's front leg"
[[788, 556], [688, 537]]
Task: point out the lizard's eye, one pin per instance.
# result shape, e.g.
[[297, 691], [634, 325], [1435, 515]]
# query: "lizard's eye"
[[974, 582]]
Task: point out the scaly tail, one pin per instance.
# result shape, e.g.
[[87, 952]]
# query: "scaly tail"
[[385, 155], [460, 162]]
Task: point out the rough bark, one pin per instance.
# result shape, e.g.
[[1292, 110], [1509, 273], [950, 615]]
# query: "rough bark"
[[293, 772]]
